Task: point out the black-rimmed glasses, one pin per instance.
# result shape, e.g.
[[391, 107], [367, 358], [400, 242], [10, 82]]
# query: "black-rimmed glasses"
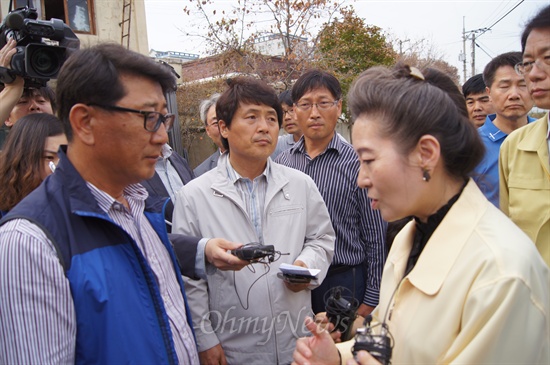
[[151, 120]]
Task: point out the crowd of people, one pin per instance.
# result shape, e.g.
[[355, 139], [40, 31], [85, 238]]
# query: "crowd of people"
[[436, 219]]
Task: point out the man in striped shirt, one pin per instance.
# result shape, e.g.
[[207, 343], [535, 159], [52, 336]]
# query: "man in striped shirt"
[[359, 251], [87, 273]]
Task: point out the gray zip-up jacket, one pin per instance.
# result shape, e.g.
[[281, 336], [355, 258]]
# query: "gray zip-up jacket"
[[295, 221]]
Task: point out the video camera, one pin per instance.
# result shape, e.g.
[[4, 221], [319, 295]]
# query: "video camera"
[[42, 46]]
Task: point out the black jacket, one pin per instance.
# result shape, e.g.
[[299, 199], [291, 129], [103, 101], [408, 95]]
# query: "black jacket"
[[155, 187]]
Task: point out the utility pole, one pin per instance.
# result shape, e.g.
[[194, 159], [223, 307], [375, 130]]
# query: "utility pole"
[[473, 37], [469, 35], [466, 35], [464, 47], [473, 54]]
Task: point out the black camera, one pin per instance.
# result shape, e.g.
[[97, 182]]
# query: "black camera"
[[42, 46]]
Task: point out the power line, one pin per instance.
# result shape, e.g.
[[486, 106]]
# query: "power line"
[[504, 16], [475, 34], [484, 51], [501, 8]]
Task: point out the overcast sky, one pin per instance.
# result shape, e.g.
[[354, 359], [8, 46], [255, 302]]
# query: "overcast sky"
[[438, 22]]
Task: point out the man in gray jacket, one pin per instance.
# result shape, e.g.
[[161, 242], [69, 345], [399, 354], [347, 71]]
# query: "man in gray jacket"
[[252, 316]]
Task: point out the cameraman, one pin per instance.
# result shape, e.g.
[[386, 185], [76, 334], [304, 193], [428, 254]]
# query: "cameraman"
[[16, 100]]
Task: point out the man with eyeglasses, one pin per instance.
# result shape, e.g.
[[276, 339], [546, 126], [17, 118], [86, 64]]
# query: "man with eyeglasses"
[[207, 113], [524, 166], [332, 163], [88, 274]]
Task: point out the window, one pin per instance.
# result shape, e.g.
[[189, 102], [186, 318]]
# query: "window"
[[31, 3], [77, 14]]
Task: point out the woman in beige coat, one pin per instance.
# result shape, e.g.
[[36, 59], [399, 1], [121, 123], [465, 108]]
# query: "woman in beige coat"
[[462, 284]]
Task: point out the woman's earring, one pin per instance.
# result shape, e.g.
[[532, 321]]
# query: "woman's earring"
[[426, 175]]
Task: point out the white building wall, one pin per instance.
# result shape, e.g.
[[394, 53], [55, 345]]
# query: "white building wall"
[[108, 16]]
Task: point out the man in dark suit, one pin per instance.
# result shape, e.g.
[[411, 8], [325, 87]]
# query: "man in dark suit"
[[171, 172]]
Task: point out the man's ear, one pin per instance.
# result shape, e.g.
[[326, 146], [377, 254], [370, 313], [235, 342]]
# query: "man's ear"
[[428, 150], [81, 117], [488, 90], [223, 128], [8, 123]]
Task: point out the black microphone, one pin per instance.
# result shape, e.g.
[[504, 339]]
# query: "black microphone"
[[341, 310], [14, 21]]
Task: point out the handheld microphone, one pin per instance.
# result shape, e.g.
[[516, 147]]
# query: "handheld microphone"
[[379, 346], [341, 310]]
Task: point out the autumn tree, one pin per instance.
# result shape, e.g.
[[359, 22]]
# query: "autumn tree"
[[347, 46], [422, 53], [236, 30]]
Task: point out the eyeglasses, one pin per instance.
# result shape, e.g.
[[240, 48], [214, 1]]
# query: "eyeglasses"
[[213, 124], [151, 120], [523, 68], [323, 105], [289, 111]]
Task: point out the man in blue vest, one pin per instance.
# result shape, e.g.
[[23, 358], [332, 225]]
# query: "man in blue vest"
[[87, 272]]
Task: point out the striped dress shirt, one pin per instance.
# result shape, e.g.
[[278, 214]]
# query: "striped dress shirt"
[[253, 195], [28, 257], [360, 231]]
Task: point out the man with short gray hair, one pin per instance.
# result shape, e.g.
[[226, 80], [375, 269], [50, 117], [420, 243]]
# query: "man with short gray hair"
[[207, 114]]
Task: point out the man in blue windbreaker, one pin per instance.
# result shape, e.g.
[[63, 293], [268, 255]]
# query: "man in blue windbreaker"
[[87, 273]]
